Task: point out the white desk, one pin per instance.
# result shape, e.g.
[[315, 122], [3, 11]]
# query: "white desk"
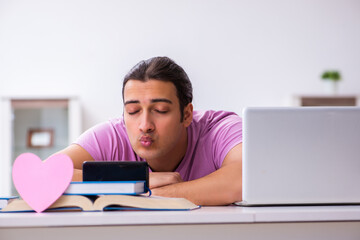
[[220, 223]]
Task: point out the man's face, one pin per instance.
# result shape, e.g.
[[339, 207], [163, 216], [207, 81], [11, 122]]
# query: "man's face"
[[152, 119]]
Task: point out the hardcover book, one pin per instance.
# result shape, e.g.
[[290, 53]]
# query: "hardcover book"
[[106, 188]]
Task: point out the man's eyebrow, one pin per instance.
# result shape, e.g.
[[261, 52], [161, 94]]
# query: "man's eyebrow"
[[131, 101], [155, 100]]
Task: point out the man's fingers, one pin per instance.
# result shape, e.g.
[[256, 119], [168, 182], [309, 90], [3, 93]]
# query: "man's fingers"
[[159, 179]]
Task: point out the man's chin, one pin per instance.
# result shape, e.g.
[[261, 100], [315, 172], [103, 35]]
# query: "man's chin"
[[147, 154]]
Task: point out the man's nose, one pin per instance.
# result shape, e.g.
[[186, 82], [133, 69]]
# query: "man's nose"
[[146, 124]]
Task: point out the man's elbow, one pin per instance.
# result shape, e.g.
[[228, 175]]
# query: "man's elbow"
[[235, 193], [231, 194]]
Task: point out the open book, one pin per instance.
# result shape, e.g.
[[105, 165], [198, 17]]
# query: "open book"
[[107, 202], [4, 201]]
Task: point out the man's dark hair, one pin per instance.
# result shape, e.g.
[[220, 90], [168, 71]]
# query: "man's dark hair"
[[163, 69]]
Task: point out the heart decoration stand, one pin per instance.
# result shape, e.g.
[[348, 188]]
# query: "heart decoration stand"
[[41, 183]]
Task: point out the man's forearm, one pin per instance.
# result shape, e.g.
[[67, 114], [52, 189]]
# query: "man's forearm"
[[221, 187], [77, 175]]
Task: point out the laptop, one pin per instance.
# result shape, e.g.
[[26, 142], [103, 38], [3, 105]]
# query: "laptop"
[[301, 156]]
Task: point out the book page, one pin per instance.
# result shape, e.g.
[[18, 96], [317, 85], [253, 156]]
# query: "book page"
[[78, 201], [68, 201], [143, 202], [17, 205]]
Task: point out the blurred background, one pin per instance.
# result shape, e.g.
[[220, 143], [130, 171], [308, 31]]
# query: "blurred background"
[[68, 58]]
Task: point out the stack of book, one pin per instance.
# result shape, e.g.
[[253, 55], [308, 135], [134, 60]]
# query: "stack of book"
[[105, 196]]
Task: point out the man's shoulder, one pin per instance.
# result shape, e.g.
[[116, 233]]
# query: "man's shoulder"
[[212, 122], [212, 116], [111, 125], [119, 121]]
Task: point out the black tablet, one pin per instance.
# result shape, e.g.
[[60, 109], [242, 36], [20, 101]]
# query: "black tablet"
[[116, 171]]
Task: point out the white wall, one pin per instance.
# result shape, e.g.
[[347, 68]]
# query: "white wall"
[[237, 53]]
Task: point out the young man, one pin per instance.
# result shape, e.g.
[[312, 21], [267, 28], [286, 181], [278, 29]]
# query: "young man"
[[195, 155]]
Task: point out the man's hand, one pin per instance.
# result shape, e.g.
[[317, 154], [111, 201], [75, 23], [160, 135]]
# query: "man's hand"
[[77, 175], [160, 179], [222, 187]]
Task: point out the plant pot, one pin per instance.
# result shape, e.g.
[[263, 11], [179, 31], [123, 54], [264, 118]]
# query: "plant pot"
[[331, 87]]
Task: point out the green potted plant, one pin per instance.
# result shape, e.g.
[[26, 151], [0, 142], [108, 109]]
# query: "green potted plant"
[[331, 78]]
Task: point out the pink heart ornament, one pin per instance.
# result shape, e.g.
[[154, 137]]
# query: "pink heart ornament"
[[41, 183]]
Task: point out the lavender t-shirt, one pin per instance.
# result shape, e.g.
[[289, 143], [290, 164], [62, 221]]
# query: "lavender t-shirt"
[[211, 135]]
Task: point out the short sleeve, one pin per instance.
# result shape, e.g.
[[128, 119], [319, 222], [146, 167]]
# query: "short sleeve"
[[104, 140], [226, 134]]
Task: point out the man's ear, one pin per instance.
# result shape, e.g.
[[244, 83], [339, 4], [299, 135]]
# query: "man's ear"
[[188, 115]]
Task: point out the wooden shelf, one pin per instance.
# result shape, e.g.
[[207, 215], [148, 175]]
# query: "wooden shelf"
[[307, 101]]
